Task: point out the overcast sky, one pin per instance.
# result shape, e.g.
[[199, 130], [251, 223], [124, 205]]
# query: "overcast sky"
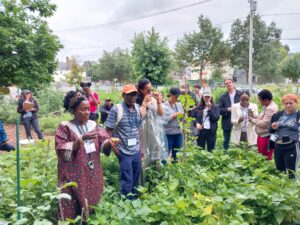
[[79, 23]]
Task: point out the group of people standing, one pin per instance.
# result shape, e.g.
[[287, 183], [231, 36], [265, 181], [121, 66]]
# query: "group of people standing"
[[274, 132], [133, 132]]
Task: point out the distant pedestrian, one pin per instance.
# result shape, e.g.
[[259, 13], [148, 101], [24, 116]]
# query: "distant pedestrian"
[[226, 102], [207, 115], [263, 122], [93, 100], [105, 108], [198, 91], [4, 145], [243, 129], [285, 136], [28, 108]]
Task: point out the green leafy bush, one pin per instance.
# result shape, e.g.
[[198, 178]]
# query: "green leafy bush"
[[240, 187], [50, 123]]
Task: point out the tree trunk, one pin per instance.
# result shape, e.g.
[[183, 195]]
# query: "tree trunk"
[[200, 76]]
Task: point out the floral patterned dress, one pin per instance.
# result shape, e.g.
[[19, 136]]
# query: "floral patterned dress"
[[79, 165]]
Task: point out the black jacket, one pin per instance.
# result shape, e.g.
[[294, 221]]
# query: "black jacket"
[[22, 112], [275, 118], [103, 110], [213, 114], [224, 103]]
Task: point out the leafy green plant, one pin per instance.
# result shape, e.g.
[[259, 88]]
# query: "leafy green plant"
[[240, 187]]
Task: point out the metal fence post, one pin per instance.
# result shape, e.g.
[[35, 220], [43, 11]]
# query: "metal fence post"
[[18, 167]]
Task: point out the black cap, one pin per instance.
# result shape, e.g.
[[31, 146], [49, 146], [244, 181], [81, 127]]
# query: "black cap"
[[175, 91], [85, 84]]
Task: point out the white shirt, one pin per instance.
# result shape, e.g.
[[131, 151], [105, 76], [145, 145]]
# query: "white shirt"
[[206, 121], [231, 95]]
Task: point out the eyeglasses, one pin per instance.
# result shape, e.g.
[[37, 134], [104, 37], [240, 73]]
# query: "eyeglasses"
[[132, 94]]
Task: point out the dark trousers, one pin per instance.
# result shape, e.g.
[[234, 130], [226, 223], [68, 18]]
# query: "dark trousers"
[[6, 147], [130, 171], [28, 122], [207, 137], [174, 143], [226, 135], [94, 116], [286, 158]]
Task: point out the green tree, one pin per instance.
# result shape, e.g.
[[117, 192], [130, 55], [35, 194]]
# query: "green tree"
[[115, 64], [27, 45], [74, 77], [217, 74], [87, 67], [291, 67], [202, 48], [151, 57], [268, 51]]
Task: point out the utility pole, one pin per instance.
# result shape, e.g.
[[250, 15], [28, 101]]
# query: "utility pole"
[[252, 11]]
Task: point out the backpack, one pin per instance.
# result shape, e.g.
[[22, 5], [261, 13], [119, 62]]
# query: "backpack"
[[120, 112]]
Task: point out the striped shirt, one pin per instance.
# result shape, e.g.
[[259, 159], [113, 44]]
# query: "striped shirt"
[[127, 129]]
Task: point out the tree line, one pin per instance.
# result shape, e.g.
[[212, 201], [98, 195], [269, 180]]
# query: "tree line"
[[28, 49]]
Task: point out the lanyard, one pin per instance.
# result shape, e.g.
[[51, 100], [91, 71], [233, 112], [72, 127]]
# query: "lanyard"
[[81, 130], [175, 109], [132, 117]]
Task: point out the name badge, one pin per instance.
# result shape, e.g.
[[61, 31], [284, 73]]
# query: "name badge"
[[89, 147], [273, 137], [132, 141]]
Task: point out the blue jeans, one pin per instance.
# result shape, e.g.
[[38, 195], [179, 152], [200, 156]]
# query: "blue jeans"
[[130, 171], [174, 142], [226, 135]]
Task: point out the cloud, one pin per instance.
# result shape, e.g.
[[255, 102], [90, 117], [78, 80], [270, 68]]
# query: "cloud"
[[90, 43]]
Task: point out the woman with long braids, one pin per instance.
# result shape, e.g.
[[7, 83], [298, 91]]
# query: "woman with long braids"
[[78, 143]]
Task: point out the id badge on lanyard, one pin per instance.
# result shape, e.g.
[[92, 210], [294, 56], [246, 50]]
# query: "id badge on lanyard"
[[89, 146]]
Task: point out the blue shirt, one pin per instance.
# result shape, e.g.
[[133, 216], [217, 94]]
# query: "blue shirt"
[[3, 136], [128, 128]]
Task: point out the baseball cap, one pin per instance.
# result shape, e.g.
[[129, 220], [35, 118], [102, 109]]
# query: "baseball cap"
[[108, 99], [207, 92], [26, 91], [175, 91], [129, 89]]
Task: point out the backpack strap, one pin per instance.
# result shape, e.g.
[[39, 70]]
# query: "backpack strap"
[[120, 113]]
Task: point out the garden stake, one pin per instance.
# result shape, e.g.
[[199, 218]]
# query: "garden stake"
[[18, 168]]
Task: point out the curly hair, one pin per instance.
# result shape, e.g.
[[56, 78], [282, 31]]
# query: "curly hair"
[[72, 100]]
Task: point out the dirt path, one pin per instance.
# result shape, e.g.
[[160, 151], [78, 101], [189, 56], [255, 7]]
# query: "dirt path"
[[10, 130]]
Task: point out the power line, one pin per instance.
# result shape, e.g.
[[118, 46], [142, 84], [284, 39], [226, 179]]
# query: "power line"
[[98, 46], [135, 18], [290, 39], [282, 14]]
